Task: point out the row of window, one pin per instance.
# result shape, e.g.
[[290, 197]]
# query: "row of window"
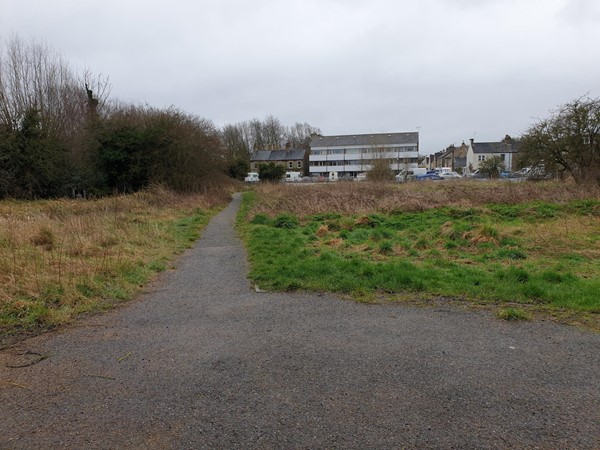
[[362, 162], [288, 164], [482, 157], [358, 151]]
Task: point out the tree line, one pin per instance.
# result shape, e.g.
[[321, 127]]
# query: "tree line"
[[242, 139], [61, 135], [567, 143]]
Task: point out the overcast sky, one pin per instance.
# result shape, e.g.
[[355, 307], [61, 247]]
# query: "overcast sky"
[[452, 69]]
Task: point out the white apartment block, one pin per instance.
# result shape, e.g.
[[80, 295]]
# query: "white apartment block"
[[350, 155]]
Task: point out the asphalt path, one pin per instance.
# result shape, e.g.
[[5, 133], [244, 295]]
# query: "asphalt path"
[[204, 361]]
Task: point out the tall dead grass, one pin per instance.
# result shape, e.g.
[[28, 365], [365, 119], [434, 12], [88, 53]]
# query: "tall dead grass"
[[364, 197], [57, 251]]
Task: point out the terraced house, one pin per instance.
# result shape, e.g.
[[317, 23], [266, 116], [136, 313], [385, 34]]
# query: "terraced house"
[[349, 155], [293, 159], [507, 150]]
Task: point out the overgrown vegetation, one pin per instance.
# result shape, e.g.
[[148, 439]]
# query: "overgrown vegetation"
[[61, 258], [380, 170], [60, 136], [567, 143], [271, 172], [533, 244], [492, 167]]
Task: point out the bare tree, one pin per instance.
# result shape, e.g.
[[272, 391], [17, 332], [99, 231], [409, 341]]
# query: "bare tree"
[[299, 135], [380, 165], [235, 142], [273, 133], [568, 142], [35, 77]]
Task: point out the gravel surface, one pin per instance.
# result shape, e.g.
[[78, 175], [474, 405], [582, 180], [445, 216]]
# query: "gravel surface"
[[204, 361]]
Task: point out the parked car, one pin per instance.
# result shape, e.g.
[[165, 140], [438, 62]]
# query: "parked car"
[[476, 174], [410, 174], [428, 177], [361, 176], [449, 175]]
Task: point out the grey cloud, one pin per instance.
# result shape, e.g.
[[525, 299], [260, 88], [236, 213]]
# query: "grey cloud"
[[452, 67]]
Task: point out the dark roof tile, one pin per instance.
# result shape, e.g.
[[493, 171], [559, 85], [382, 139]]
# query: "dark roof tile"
[[496, 147], [364, 140], [294, 154]]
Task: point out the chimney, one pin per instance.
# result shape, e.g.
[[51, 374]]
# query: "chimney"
[[472, 140]]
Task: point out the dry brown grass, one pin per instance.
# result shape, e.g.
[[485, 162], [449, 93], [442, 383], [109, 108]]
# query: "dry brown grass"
[[573, 234], [364, 198], [58, 250]]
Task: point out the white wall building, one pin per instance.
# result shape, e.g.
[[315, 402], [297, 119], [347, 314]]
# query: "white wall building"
[[507, 150], [349, 155]]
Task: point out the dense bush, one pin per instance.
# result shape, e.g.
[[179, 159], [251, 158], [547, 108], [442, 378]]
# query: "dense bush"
[[271, 172], [60, 136]]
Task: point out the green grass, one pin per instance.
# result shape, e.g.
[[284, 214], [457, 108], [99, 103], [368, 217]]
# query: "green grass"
[[532, 253]]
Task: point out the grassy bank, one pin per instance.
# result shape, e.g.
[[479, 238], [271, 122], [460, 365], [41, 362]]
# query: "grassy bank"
[[528, 244], [61, 258]]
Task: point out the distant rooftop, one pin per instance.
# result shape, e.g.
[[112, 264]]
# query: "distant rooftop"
[[496, 147], [293, 154], [365, 140]]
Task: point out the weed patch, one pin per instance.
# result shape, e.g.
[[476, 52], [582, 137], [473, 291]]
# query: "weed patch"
[[515, 314]]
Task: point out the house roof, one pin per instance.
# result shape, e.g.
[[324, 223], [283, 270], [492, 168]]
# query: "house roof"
[[496, 147], [293, 154], [364, 140], [460, 151]]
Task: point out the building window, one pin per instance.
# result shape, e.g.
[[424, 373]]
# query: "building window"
[[291, 164], [299, 164], [481, 158], [502, 157]]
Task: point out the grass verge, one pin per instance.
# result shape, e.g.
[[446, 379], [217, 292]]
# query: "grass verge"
[[62, 258], [542, 254]]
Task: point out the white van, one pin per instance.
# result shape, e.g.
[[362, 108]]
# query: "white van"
[[410, 174], [292, 177], [252, 177], [333, 176]]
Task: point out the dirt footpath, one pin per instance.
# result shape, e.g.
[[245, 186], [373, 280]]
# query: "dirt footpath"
[[203, 361]]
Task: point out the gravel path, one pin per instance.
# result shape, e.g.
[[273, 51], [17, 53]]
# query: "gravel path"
[[203, 361]]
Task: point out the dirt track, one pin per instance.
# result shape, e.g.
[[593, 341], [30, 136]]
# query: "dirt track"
[[203, 361]]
